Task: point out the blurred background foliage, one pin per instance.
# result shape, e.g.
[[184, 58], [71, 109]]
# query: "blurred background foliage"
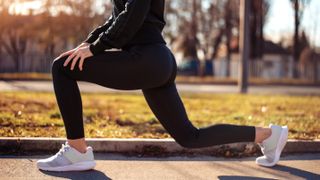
[[33, 32]]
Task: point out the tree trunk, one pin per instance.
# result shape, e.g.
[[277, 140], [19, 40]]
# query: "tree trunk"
[[228, 28], [296, 38], [315, 68], [244, 45]]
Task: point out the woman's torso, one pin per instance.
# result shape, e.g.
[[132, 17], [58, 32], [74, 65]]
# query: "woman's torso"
[[151, 29]]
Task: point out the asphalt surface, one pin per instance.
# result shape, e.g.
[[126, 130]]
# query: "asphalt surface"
[[198, 88], [115, 166]]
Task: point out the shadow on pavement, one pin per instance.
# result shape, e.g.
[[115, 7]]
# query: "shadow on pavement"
[[296, 172], [90, 174]]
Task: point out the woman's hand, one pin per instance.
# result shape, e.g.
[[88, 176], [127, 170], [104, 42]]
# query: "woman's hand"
[[81, 52], [72, 50]]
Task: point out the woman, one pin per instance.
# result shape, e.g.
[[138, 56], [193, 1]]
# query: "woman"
[[143, 62]]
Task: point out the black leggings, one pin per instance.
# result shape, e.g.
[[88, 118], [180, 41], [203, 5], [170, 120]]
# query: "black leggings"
[[151, 68]]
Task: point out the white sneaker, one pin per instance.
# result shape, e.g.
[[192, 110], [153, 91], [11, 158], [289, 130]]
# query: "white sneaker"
[[273, 146], [68, 159]]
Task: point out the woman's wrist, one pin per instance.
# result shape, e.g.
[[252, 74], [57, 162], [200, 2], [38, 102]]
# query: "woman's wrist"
[[84, 44]]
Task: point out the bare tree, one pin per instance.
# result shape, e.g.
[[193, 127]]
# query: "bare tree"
[[187, 39], [4, 13], [299, 7], [15, 38], [46, 31], [259, 10]]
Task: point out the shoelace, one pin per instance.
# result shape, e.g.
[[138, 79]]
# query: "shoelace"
[[63, 149]]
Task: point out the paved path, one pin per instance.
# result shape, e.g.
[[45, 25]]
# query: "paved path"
[[113, 166], [89, 87]]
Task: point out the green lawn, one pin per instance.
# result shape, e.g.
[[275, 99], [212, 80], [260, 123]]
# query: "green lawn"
[[117, 115], [179, 79]]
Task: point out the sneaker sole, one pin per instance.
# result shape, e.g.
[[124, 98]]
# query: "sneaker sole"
[[280, 145], [80, 166]]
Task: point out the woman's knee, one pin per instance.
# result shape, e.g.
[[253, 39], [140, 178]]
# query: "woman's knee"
[[188, 140], [57, 65]]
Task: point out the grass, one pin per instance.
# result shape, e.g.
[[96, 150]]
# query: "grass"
[[181, 79], [24, 76], [120, 115]]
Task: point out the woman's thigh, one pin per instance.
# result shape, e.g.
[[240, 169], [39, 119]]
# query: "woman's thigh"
[[140, 67]]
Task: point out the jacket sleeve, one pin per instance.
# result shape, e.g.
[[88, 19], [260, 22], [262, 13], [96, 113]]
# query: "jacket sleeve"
[[123, 28], [93, 36]]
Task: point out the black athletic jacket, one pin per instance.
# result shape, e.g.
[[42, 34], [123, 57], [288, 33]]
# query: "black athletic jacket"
[[131, 22]]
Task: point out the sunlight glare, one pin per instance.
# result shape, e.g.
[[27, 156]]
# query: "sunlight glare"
[[24, 8]]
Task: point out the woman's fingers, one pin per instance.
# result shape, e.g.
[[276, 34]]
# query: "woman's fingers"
[[85, 53], [74, 61], [81, 53], [69, 59], [81, 62], [67, 53]]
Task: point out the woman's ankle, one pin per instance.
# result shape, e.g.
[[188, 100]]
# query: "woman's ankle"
[[262, 134], [78, 144]]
